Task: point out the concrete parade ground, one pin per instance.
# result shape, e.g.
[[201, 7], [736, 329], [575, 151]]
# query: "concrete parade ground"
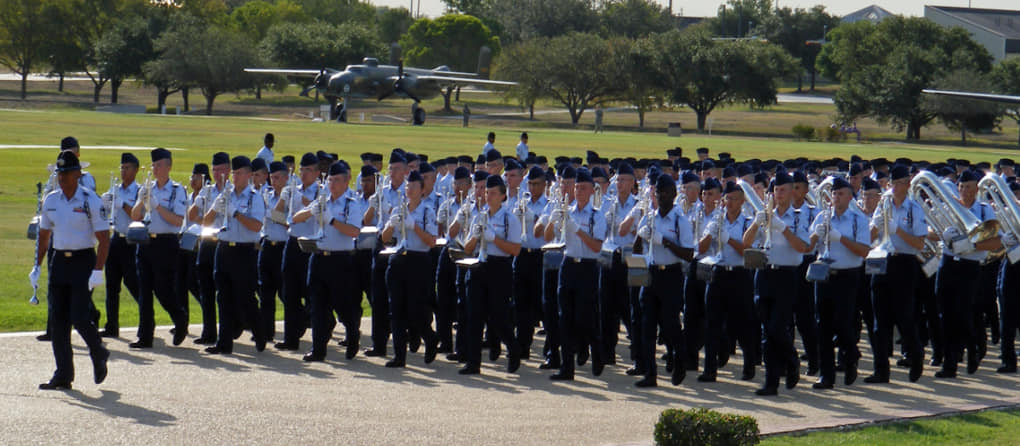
[[180, 395]]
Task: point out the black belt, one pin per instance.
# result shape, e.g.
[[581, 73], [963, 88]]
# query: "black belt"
[[408, 252], [236, 244], [67, 253], [531, 250], [163, 236], [679, 266], [961, 259], [783, 267], [729, 268], [902, 256], [578, 260], [332, 253], [836, 272], [272, 243], [117, 234]]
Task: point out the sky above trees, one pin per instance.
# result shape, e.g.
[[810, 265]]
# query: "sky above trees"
[[435, 8]]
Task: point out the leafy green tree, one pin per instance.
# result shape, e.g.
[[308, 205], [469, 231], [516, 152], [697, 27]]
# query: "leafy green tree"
[[121, 52], [519, 20], [792, 29], [22, 37], [453, 40], [636, 59], [393, 23], [255, 17], [633, 18], [1006, 78], [318, 45], [703, 73], [964, 114], [737, 17], [516, 64], [339, 11], [883, 68]]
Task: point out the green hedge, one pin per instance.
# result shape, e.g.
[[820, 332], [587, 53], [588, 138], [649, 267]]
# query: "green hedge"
[[701, 426], [803, 132]]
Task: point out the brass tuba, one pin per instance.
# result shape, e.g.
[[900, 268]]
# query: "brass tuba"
[[944, 211], [1006, 211]]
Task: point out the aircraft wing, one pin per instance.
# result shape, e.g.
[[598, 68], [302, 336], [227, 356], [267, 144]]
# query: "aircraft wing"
[[288, 72], [981, 96], [465, 81]]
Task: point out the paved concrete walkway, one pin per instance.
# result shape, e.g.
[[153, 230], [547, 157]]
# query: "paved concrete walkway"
[[179, 395]]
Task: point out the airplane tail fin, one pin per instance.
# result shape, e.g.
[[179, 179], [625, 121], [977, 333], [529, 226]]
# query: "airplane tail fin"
[[484, 62], [395, 53]]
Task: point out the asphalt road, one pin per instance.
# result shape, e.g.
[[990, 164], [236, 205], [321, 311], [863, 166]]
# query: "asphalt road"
[[179, 395]]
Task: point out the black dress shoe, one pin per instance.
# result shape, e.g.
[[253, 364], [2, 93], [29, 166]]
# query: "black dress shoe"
[[1006, 369], [706, 378], [916, 369], [935, 362], [634, 371], [179, 335], [792, 376], [647, 382], [821, 384], [286, 346], [353, 345], [431, 349], [469, 370], [396, 363], [495, 351], [55, 385], [766, 391], [850, 375], [445, 348], [109, 334], [140, 344], [453, 357], [560, 376], [903, 362], [45, 337], [723, 360], [550, 365], [216, 350], [747, 375], [374, 352], [582, 357], [597, 367], [99, 366], [342, 342], [876, 379], [513, 363], [205, 341], [812, 370], [945, 373], [972, 362], [314, 357], [678, 375], [414, 343], [260, 343]]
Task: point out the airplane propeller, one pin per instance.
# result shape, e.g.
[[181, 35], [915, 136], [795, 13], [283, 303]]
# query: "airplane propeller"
[[398, 85], [320, 81]]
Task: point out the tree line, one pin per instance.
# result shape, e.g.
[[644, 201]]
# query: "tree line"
[[576, 52]]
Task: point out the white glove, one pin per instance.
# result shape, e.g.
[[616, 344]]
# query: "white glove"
[[443, 215], [95, 279], [645, 232], [286, 194], [315, 209], [1008, 239], [950, 233], [33, 276], [395, 221], [834, 235], [572, 227], [713, 230], [488, 234], [143, 194], [556, 215], [220, 204], [108, 201], [657, 238], [759, 219]]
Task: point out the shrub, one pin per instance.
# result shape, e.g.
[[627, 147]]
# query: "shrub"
[[802, 131], [701, 426], [830, 134]]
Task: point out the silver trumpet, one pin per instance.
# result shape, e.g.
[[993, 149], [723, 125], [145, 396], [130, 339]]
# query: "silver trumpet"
[[758, 258], [705, 265], [522, 210], [818, 271], [877, 260]]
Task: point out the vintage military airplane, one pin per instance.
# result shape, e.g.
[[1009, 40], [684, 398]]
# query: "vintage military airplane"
[[1002, 98], [372, 80]]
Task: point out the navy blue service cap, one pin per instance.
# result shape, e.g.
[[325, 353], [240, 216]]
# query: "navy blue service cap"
[[493, 155], [309, 159], [599, 172], [203, 168], [840, 183], [426, 168], [339, 168], [869, 184], [711, 183], [159, 153], [625, 169], [969, 175], [783, 178], [220, 158], [278, 166], [536, 173], [494, 181], [67, 161], [240, 162], [69, 143], [367, 171], [584, 176], [128, 158], [258, 164], [899, 171], [481, 175], [689, 177], [461, 173], [415, 177], [731, 186]]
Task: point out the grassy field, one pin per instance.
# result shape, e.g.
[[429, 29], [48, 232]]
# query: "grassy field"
[[989, 428], [195, 138]]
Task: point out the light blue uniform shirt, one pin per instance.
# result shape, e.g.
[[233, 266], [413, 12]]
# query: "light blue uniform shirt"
[[537, 207], [782, 253], [74, 222], [522, 151], [909, 216], [674, 227], [265, 153], [174, 198], [126, 195], [700, 226], [87, 180], [591, 222], [487, 148], [983, 212], [248, 203], [735, 228], [425, 217], [272, 230], [808, 214], [613, 227], [346, 209], [391, 200], [506, 226], [308, 227], [851, 224]]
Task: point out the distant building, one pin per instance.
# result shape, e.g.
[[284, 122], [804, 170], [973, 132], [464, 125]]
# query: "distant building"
[[873, 14], [997, 29]]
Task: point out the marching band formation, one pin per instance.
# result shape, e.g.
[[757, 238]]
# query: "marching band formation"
[[462, 254]]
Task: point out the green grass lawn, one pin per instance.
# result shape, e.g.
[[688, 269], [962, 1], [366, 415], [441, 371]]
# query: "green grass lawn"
[[988, 428], [198, 137]]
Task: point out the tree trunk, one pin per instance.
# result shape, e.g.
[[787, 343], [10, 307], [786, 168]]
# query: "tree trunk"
[[446, 99], [531, 111], [96, 90], [161, 95], [184, 95], [575, 116], [209, 98], [114, 87], [963, 135], [800, 82], [702, 117], [812, 79], [1018, 135], [60, 84], [641, 117], [458, 94], [24, 83], [258, 92]]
